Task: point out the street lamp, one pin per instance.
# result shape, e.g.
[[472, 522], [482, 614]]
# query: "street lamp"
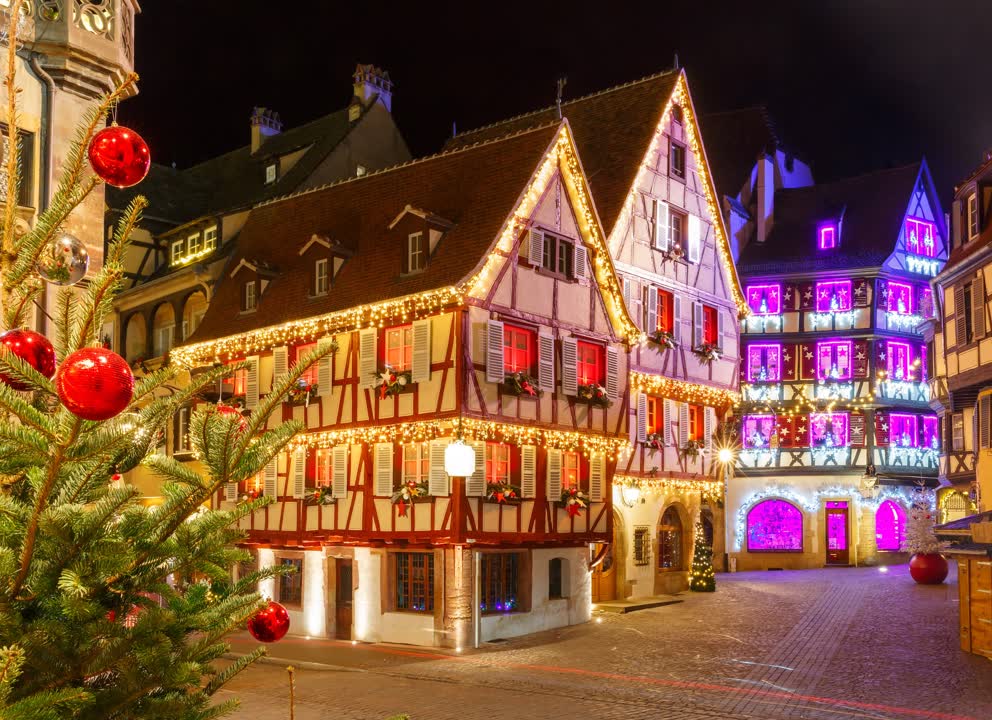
[[630, 493], [459, 456]]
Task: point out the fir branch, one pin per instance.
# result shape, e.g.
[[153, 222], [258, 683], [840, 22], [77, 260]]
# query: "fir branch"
[[27, 414], [18, 370], [13, 146], [231, 670]]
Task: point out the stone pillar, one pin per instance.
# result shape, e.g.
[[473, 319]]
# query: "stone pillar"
[[459, 582]]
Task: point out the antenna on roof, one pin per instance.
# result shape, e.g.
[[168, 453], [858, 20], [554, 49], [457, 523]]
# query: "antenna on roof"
[[675, 63], [561, 88]]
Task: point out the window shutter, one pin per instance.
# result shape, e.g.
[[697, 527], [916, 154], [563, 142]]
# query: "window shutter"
[[612, 373], [668, 425], [437, 479], [695, 239], [959, 322], [881, 428], [626, 295], [683, 424], [339, 471], [580, 260], [270, 479], [642, 417], [280, 364], [652, 306], [231, 492], [367, 359], [554, 475], [324, 369], [475, 485], [984, 406], [721, 328], [697, 324], [546, 362], [978, 305], [661, 239], [383, 461], [569, 367], [421, 363], [494, 352], [709, 425], [857, 430], [535, 248], [251, 382], [299, 473], [597, 477], [528, 471], [677, 319]]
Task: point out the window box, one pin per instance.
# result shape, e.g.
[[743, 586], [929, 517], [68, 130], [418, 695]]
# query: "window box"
[[409, 493], [655, 441], [594, 394], [322, 495], [691, 450], [664, 339], [503, 493], [707, 352], [302, 393], [392, 382], [573, 500], [521, 384]]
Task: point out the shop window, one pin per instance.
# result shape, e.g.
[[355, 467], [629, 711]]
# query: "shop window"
[[931, 432], [764, 362], [827, 236], [833, 296], [757, 431], [519, 353], [590, 363], [898, 360], [903, 430], [697, 427], [26, 187], [890, 527], [399, 348], [828, 430], [497, 463], [500, 583], [954, 506], [833, 360], [765, 299], [291, 583], [413, 575], [416, 463], [774, 526], [670, 556], [656, 415], [920, 236]]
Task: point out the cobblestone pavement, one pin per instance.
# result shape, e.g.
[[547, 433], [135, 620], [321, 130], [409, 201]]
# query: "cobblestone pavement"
[[817, 644]]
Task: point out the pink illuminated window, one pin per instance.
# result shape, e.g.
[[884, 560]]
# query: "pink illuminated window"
[[764, 362], [826, 236], [900, 298], [757, 430], [774, 526], [827, 430], [926, 303], [833, 360], [920, 235], [898, 361], [903, 430], [931, 432], [765, 299], [833, 296], [890, 527]]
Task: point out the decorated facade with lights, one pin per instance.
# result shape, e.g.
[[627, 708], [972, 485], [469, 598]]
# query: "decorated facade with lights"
[[834, 373]]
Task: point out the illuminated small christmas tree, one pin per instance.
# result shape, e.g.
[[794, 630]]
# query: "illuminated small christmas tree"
[[920, 539], [701, 577]]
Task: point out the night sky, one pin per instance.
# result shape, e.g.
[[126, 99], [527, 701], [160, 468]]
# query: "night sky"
[[853, 86]]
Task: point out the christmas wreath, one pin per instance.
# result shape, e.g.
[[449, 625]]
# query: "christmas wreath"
[[404, 496], [573, 500], [707, 352], [391, 382], [665, 339], [594, 394], [520, 383], [501, 492], [322, 495]]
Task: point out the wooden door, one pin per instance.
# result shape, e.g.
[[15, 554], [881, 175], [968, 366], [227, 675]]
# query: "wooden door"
[[343, 598], [604, 581], [838, 547]]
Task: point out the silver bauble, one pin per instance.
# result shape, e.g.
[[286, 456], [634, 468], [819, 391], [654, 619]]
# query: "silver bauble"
[[65, 261]]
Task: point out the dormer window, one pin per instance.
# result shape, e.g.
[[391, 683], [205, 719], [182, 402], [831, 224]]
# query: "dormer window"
[[826, 236], [676, 160], [210, 238], [677, 113], [193, 244], [177, 251], [270, 173], [320, 277], [249, 299], [972, 216], [416, 252]]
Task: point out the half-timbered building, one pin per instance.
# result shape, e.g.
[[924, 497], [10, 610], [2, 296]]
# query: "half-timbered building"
[[467, 294], [643, 152], [835, 424]]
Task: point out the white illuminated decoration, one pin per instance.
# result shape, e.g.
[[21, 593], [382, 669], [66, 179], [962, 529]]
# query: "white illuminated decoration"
[[459, 459], [830, 390], [900, 321], [922, 266], [903, 390], [823, 319], [914, 456], [762, 393], [757, 457], [830, 455]]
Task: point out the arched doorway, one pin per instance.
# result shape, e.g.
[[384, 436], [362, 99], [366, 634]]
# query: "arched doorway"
[[193, 310], [135, 338], [163, 329], [607, 574], [671, 541], [955, 505]]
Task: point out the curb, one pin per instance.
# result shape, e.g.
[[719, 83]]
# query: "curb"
[[302, 664]]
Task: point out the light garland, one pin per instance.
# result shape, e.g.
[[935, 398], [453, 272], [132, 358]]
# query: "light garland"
[[837, 455], [660, 485], [683, 391], [832, 390], [823, 319], [901, 320]]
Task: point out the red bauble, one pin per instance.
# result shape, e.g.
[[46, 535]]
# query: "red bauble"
[[269, 624], [928, 568], [95, 384], [228, 411], [32, 348], [120, 156]]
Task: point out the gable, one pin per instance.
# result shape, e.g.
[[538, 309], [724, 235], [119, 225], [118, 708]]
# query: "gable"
[[921, 220]]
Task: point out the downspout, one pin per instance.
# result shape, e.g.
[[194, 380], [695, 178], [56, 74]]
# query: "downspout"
[[476, 596], [44, 194]]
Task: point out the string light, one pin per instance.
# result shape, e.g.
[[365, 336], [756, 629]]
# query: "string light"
[[683, 391], [661, 485]]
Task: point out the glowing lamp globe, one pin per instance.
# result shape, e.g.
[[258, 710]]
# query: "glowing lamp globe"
[[726, 455], [459, 459], [630, 494]]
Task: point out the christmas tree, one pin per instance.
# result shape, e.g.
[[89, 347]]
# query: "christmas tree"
[[108, 608], [920, 538], [701, 576]]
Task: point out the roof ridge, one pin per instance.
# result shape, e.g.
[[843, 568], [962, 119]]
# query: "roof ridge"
[[409, 163], [862, 176], [569, 102]]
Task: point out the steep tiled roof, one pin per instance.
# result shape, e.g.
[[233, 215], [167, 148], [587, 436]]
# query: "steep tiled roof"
[[872, 207], [734, 141], [476, 188], [612, 130]]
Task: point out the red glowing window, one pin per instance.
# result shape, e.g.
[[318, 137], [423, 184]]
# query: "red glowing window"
[[931, 432], [833, 360], [571, 472], [518, 350], [497, 463], [710, 325], [236, 383], [655, 414], [899, 364], [310, 375], [903, 430], [890, 527], [764, 362], [900, 298], [666, 311], [920, 235], [591, 365], [826, 236], [774, 526], [757, 431], [827, 430], [696, 423], [399, 347], [765, 299], [324, 459], [833, 296]]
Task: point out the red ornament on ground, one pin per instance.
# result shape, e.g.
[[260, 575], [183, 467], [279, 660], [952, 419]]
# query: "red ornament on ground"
[[269, 624], [31, 347], [95, 384], [120, 156], [928, 568]]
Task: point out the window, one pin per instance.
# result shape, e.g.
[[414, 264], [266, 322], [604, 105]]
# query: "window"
[[642, 545], [711, 326], [676, 228], [291, 584], [181, 440], [899, 363], [414, 578], [248, 299], [920, 236], [833, 360], [900, 298], [323, 463], [972, 216], [957, 432], [519, 353], [903, 430], [25, 191], [210, 238], [399, 348], [572, 475], [765, 299], [696, 423], [774, 526], [590, 364], [320, 277], [931, 432], [677, 114], [656, 415], [670, 541], [310, 374], [193, 244], [416, 252], [666, 312], [497, 463], [270, 173], [558, 256], [757, 431], [177, 251], [555, 579], [500, 572], [969, 316], [416, 463], [676, 161], [833, 296], [926, 303], [236, 383], [826, 236], [890, 527], [827, 430], [764, 362]]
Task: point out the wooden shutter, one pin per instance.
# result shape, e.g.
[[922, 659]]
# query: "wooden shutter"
[[325, 377], [626, 296], [721, 329], [437, 479], [677, 318], [528, 471], [383, 470], [597, 477], [961, 337], [695, 239], [642, 417], [569, 366], [494, 352], [270, 478], [535, 248], [860, 360], [857, 425], [554, 475], [421, 362], [661, 239], [683, 424], [546, 362], [612, 373], [978, 305], [251, 382], [652, 305], [580, 260], [984, 407], [231, 492], [475, 485], [669, 423], [860, 290], [881, 429], [299, 473], [367, 356], [697, 324], [280, 364], [339, 471], [709, 425]]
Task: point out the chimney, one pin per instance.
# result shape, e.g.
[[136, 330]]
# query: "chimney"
[[264, 124], [372, 83], [765, 193]]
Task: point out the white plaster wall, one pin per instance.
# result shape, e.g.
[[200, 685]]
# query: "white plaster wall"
[[368, 595], [314, 594]]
